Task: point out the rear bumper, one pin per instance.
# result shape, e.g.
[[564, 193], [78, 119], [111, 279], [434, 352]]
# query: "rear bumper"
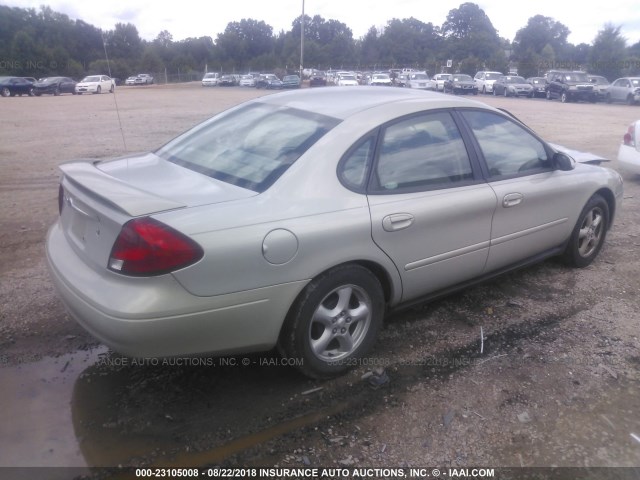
[[157, 317], [629, 159]]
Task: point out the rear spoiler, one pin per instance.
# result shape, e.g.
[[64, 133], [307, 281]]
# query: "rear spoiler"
[[126, 198]]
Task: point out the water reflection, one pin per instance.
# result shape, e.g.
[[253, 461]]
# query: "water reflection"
[[135, 413], [96, 409]]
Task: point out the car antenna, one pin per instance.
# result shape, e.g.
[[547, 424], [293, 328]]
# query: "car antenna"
[[115, 100]]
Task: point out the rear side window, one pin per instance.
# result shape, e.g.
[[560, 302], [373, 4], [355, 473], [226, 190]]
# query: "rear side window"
[[251, 146], [354, 167], [508, 149], [421, 152]]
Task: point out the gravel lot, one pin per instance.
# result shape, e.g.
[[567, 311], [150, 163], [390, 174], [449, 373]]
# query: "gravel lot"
[[556, 384]]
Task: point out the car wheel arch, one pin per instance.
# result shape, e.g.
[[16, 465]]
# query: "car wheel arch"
[[391, 288], [610, 198], [290, 342]]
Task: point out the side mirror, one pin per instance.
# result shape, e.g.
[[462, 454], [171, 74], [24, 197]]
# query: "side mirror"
[[563, 162]]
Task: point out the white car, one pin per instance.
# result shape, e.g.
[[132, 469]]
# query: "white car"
[[210, 79], [247, 81], [629, 152], [347, 80], [95, 84], [130, 80], [439, 80], [380, 79], [485, 80], [144, 79]]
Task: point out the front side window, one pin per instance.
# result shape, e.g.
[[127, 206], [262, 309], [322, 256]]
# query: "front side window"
[[249, 147], [508, 149], [422, 152]]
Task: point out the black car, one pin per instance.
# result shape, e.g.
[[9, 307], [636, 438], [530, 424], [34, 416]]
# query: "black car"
[[539, 85], [318, 79], [54, 86], [227, 81], [268, 81], [460, 84], [11, 86], [570, 86]]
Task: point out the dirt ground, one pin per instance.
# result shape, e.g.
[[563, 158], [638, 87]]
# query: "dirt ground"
[[557, 382]]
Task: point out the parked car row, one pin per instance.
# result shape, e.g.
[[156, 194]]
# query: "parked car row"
[[257, 80], [564, 85], [12, 86]]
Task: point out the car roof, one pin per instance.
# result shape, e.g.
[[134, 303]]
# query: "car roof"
[[343, 102]]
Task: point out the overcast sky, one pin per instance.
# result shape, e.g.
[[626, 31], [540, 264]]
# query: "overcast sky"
[[191, 18]]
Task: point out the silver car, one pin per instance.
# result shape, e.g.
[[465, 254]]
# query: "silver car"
[[625, 89], [299, 219]]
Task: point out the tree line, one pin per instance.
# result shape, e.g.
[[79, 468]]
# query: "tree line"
[[38, 43]]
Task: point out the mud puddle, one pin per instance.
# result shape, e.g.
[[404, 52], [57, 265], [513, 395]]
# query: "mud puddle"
[[37, 429], [96, 409]]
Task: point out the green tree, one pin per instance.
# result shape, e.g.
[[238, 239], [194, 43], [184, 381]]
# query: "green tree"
[[124, 42], [408, 42], [608, 52], [539, 33], [468, 33], [241, 41], [26, 57]]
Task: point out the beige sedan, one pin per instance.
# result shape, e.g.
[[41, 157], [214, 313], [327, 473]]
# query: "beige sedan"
[[298, 220]]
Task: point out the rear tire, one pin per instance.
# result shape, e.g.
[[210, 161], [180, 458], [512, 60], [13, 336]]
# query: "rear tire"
[[589, 233], [333, 321], [5, 92], [564, 98]]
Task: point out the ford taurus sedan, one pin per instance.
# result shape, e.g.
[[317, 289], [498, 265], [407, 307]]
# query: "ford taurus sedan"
[[512, 86], [297, 220]]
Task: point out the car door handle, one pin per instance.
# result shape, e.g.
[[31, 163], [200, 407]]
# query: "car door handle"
[[512, 199], [397, 221]]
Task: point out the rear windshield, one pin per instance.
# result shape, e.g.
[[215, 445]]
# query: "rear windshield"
[[251, 146]]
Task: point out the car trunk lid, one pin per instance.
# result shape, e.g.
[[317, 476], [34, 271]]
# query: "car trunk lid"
[[98, 198]]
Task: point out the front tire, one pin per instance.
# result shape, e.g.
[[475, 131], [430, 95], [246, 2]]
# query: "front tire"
[[99, 90], [335, 319], [589, 233], [564, 98], [5, 92], [548, 95]]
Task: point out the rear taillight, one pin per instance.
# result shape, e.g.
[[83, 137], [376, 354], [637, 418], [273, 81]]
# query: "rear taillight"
[[629, 137], [148, 247]]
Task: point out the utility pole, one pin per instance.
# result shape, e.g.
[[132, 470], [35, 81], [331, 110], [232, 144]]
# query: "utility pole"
[[301, 42]]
